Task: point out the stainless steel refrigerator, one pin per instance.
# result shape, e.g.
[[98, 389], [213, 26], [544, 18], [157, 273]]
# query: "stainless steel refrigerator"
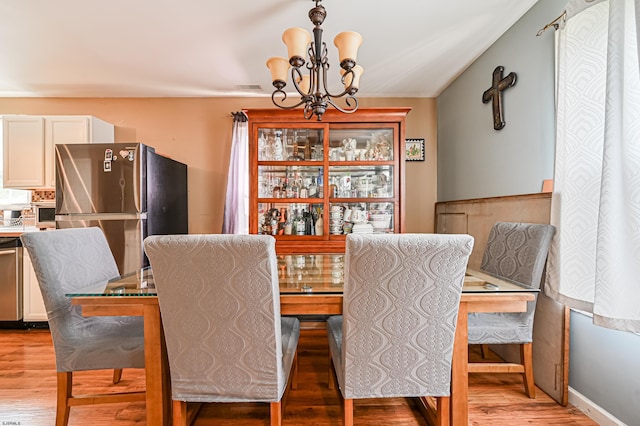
[[127, 189]]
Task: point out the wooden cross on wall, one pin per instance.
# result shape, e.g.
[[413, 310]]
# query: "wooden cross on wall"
[[494, 93]]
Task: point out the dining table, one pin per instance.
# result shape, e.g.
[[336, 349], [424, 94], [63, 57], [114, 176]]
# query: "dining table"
[[311, 287]]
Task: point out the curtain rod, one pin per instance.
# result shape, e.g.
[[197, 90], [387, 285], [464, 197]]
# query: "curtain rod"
[[555, 23], [239, 116]]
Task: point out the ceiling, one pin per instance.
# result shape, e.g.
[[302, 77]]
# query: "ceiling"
[[167, 48]]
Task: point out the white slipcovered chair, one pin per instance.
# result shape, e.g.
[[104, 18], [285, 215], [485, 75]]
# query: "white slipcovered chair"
[[220, 304], [64, 262], [516, 252], [400, 308]]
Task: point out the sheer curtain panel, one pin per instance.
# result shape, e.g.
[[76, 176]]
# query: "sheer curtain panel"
[[236, 207], [594, 262]]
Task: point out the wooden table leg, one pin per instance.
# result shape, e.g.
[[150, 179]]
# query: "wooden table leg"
[[460, 372], [156, 369]]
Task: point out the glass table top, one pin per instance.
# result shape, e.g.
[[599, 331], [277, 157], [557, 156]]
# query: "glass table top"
[[298, 274]]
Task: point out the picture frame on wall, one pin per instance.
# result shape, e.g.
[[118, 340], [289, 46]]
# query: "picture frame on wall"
[[414, 149]]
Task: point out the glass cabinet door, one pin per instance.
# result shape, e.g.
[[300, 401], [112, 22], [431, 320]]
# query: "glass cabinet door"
[[361, 180], [371, 181], [292, 219], [367, 144], [290, 181], [286, 144], [361, 218]]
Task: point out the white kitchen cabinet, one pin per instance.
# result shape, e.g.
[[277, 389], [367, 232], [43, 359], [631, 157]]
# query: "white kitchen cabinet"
[[29, 145], [23, 151], [33, 309]]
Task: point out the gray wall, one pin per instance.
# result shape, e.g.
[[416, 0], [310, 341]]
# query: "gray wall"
[[476, 161]]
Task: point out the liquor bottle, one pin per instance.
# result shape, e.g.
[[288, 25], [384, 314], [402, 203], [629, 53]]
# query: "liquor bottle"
[[287, 224], [319, 225], [313, 188], [286, 189], [276, 189], [333, 187], [295, 187], [282, 220], [277, 146], [304, 189], [320, 183], [298, 223], [306, 216]]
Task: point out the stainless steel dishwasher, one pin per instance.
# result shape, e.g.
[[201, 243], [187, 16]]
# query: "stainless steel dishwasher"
[[10, 279]]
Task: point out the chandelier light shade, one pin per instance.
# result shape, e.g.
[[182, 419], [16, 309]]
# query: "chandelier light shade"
[[279, 67], [297, 41], [348, 43], [309, 77]]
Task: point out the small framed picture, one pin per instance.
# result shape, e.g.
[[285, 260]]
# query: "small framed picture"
[[107, 166], [414, 149]]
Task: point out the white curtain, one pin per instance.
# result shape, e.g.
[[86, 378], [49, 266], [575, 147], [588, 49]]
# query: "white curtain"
[[594, 261], [236, 207]]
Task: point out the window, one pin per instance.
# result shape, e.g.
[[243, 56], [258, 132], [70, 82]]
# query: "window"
[[11, 196]]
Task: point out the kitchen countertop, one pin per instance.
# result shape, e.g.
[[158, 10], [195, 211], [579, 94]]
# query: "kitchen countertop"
[[16, 231]]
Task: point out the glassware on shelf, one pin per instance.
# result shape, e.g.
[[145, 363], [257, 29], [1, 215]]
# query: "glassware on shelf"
[[283, 218], [295, 156]]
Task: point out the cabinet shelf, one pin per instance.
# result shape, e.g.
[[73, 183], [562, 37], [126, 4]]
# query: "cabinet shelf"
[[350, 174]]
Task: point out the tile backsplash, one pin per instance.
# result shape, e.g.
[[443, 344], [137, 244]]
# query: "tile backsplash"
[[37, 196]]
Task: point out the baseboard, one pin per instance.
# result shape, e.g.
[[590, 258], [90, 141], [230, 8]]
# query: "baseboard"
[[592, 410]]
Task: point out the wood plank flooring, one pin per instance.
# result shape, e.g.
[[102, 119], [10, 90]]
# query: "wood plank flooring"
[[27, 394]]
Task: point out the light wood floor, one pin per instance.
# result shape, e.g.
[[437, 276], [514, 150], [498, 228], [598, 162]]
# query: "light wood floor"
[[27, 394]]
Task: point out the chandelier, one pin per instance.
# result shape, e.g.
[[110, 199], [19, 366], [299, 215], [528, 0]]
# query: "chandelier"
[[312, 85]]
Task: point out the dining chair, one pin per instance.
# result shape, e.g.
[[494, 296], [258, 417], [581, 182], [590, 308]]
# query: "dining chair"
[[65, 261], [400, 309], [219, 299], [516, 252]]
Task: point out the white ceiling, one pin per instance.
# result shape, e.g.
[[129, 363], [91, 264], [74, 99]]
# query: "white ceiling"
[[144, 48]]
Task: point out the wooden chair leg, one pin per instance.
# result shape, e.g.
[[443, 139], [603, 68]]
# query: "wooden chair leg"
[[526, 358], [180, 413], [443, 411], [484, 350], [348, 412], [331, 379], [294, 373], [276, 413], [65, 385], [117, 375]]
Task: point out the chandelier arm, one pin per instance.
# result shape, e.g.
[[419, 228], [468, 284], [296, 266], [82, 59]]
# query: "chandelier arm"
[[295, 72], [349, 110], [348, 91], [284, 97], [308, 111]]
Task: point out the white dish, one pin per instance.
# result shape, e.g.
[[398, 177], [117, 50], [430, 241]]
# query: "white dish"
[[380, 221], [362, 228]]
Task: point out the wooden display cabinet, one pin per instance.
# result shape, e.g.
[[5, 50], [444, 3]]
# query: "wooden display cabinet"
[[313, 182]]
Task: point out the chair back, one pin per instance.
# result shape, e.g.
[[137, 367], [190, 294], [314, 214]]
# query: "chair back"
[[401, 301], [220, 305], [518, 252], [66, 261]]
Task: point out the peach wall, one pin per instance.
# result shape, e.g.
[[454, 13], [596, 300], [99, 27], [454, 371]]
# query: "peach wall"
[[197, 131]]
